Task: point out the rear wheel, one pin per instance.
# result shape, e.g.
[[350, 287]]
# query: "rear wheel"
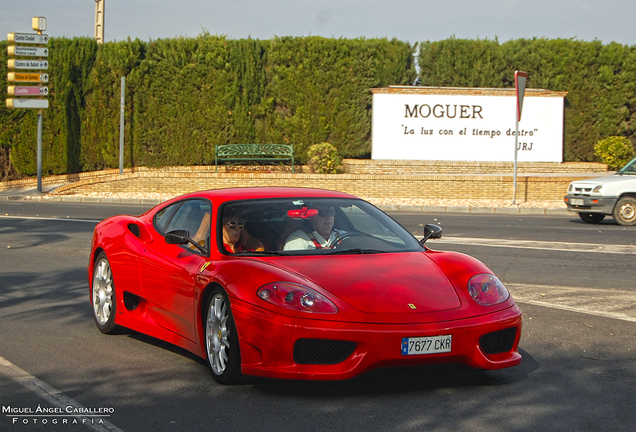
[[625, 211], [104, 299], [221, 340], [592, 217]]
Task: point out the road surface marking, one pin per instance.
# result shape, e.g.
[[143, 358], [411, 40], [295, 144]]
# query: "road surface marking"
[[53, 396], [539, 245], [49, 218], [608, 303]]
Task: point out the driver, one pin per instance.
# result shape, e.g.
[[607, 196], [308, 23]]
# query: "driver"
[[319, 235]]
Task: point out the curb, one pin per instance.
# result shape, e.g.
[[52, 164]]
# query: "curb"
[[397, 207]]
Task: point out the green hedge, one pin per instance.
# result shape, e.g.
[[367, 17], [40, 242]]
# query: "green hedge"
[[186, 95]]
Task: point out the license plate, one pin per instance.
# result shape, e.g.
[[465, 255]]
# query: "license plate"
[[577, 201], [426, 345]]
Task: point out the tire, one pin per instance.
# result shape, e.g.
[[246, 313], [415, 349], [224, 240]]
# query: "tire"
[[103, 295], [625, 211], [592, 217], [221, 340]]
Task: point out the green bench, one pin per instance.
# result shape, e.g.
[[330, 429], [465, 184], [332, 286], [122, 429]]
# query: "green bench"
[[253, 153]]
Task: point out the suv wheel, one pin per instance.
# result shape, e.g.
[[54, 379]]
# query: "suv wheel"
[[625, 211]]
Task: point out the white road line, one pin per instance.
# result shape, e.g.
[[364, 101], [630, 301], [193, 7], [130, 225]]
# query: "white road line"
[[539, 245], [607, 303], [48, 218], [56, 398]]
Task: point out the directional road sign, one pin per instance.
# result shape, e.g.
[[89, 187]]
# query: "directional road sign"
[[27, 77], [27, 51], [29, 38], [27, 103], [27, 64], [27, 91]]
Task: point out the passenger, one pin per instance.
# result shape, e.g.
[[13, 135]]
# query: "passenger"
[[235, 236], [203, 233], [320, 234]]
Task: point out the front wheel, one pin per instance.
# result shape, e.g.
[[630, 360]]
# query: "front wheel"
[[104, 299], [591, 217], [221, 340], [625, 211]]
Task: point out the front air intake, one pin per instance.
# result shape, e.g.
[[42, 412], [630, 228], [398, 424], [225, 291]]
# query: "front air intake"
[[322, 351], [498, 342]]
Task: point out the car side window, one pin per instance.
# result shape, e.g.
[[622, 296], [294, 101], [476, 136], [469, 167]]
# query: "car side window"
[[164, 215], [194, 216]]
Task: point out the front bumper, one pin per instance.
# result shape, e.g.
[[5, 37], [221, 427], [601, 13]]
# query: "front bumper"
[[604, 205], [267, 343]]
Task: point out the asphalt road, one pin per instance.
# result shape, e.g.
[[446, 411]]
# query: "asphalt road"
[[574, 282]]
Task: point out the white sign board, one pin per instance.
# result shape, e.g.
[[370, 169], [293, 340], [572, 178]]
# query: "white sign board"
[[27, 51], [470, 125], [27, 64], [31, 38]]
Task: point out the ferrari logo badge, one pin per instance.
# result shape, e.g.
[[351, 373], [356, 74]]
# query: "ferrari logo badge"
[[412, 306], [204, 266]]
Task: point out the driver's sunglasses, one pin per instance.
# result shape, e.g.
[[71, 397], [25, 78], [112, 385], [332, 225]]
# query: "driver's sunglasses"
[[327, 212], [235, 225]]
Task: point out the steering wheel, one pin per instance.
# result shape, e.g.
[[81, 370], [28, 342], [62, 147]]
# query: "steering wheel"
[[335, 243]]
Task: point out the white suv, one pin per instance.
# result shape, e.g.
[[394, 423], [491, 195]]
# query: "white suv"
[[612, 195]]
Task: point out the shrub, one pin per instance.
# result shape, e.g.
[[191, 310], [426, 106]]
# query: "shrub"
[[324, 158], [615, 151]]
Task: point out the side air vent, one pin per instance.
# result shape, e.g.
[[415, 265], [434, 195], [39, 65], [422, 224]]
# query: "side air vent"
[[131, 301], [133, 228]]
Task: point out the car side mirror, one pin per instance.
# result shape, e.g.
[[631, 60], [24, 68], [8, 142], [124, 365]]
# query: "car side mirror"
[[431, 232], [182, 237], [179, 236]]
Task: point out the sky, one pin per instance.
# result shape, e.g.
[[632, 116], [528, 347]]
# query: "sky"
[[411, 21]]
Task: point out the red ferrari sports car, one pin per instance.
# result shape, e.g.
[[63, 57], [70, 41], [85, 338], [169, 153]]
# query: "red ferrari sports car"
[[297, 283]]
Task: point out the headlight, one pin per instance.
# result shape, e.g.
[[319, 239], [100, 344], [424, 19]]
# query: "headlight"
[[487, 290], [297, 297], [570, 187], [597, 188]]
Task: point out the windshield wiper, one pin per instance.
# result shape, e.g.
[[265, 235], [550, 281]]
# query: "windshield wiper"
[[356, 251]]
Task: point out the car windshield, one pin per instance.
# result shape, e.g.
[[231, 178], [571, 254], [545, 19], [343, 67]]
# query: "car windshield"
[[310, 226], [630, 168]]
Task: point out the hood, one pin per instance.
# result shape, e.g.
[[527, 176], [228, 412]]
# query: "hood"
[[602, 180], [380, 283]]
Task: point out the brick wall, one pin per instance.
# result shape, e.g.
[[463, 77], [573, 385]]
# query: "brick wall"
[[369, 186], [384, 182], [366, 166]]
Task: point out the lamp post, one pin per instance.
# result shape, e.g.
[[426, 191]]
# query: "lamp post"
[[99, 21]]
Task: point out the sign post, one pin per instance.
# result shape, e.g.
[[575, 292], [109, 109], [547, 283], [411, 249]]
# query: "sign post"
[[520, 86], [121, 125], [39, 63]]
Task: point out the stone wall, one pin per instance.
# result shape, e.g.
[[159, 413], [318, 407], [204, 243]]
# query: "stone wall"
[[384, 183], [367, 166]]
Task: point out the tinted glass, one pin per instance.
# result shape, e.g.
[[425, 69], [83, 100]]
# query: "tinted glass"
[[194, 216], [303, 226]]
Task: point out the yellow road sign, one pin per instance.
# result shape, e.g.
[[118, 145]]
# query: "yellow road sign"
[[27, 77]]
